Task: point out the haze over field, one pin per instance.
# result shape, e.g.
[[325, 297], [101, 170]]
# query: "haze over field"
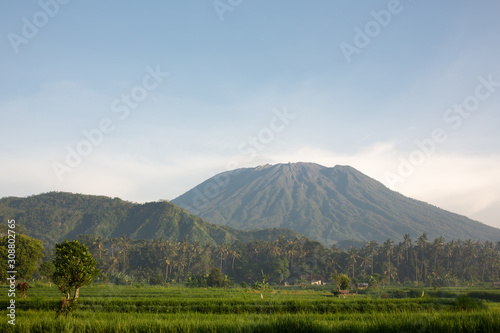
[[144, 101]]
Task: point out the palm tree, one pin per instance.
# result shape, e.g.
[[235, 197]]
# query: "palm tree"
[[331, 259], [399, 254], [486, 253], [167, 266], [181, 263], [437, 248], [100, 245], [193, 253], [234, 255], [448, 252], [124, 245], [371, 248], [291, 251], [365, 259], [169, 253], [301, 250], [407, 243], [387, 250], [352, 255], [221, 251], [112, 243], [470, 254], [422, 245], [495, 260], [276, 249]]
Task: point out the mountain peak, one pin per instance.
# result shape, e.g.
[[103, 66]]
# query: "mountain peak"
[[329, 204]]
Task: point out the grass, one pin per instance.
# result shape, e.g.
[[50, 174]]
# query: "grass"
[[84, 321], [158, 309]]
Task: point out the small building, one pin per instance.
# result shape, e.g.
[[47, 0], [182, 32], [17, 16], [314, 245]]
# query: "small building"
[[496, 284], [362, 285], [314, 279]]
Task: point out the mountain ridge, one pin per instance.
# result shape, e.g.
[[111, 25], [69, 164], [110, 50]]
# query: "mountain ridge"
[[55, 216]]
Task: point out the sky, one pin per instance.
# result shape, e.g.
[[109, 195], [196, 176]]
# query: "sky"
[[144, 100]]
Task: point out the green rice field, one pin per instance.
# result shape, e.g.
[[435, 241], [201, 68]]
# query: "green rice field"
[[179, 309]]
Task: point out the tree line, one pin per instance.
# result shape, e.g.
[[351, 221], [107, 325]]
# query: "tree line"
[[420, 260], [430, 262]]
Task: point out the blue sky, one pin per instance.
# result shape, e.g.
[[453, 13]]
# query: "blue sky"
[[233, 66]]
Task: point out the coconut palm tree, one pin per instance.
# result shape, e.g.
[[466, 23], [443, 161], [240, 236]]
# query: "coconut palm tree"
[[407, 243], [422, 245], [99, 242], [371, 247], [124, 243], [234, 255], [387, 248], [291, 251], [221, 252], [437, 248], [352, 255]]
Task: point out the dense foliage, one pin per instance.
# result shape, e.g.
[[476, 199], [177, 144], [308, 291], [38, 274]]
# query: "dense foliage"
[[28, 252], [74, 268], [415, 261], [53, 217]]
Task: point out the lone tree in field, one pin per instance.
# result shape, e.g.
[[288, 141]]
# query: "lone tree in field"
[[342, 281], [74, 268]]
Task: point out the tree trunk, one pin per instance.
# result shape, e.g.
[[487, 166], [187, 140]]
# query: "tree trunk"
[[389, 269], [416, 267], [77, 293]]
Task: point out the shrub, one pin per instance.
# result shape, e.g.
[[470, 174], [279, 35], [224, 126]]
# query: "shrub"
[[122, 279], [344, 282], [217, 279], [22, 287], [197, 281], [157, 280]]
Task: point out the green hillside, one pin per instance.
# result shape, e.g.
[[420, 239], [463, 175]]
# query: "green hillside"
[[55, 216], [325, 204]]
